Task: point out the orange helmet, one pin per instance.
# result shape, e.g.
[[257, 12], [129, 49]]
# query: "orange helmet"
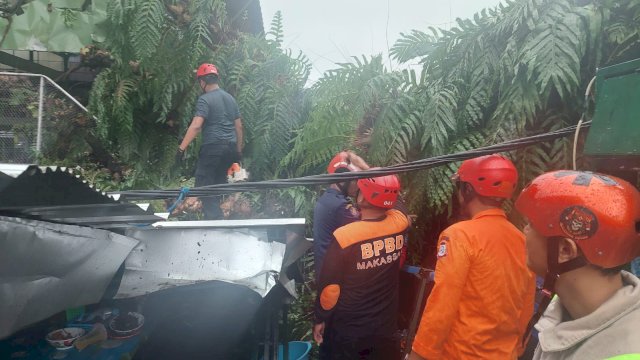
[[206, 69], [340, 163], [601, 213], [381, 191], [489, 175]]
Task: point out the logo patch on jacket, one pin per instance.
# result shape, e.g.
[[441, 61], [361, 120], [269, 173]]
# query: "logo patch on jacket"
[[352, 210], [442, 247]]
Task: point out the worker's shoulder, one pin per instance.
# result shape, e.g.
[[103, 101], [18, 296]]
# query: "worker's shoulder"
[[395, 222], [461, 227], [331, 206], [333, 200], [216, 94], [226, 95], [488, 227]]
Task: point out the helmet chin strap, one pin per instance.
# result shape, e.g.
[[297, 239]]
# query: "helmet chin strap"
[[554, 270]]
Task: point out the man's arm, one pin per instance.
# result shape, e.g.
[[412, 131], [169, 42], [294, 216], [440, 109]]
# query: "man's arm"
[[239, 134], [442, 306], [328, 289], [193, 131], [357, 161]]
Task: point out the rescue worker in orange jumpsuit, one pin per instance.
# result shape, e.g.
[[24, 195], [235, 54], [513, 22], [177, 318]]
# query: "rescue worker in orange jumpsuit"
[[483, 294], [358, 291], [583, 228]]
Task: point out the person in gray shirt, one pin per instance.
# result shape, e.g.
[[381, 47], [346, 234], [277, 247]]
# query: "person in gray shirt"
[[217, 117]]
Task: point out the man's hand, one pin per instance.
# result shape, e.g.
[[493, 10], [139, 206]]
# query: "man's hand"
[[356, 160], [179, 156], [318, 332]]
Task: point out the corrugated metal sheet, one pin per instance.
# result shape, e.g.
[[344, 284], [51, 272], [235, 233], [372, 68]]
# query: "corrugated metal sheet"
[[57, 194], [48, 263]]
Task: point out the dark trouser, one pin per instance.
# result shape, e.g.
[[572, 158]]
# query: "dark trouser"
[[213, 162], [373, 348]]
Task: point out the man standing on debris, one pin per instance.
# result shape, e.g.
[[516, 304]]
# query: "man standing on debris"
[[334, 208], [358, 289], [483, 292], [583, 228], [218, 118]]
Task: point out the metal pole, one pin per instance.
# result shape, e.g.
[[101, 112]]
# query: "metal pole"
[[276, 341], [285, 326], [425, 276], [267, 335], [40, 109], [415, 316]]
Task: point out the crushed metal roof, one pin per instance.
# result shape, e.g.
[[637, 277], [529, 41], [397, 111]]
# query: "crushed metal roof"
[[57, 194]]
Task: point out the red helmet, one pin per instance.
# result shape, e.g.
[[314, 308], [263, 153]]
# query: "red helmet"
[[340, 163], [380, 191], [601, 213], [207, 69], [489, 175]]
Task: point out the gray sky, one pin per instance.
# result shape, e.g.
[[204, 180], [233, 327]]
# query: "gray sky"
[[331, 31]]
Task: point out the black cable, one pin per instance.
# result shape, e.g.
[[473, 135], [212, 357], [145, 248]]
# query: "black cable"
[[421, 164]]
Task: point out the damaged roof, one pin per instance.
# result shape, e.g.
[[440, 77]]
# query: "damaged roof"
[[57, 194]]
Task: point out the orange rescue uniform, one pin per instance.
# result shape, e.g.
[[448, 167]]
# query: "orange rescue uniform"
[[483, 295]]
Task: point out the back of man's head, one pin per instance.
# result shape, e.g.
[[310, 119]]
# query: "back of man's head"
[[210, 79], [379, 193], [490, 178]]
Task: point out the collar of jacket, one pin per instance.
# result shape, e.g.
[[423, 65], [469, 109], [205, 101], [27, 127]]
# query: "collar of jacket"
[[490, 212], [556, 335]]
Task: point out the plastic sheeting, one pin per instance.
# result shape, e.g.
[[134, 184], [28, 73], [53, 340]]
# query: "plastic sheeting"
[[168, 257], [46, 268], [56, 26]]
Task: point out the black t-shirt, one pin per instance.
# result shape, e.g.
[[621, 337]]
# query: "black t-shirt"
[[359, 278], [219, 110]]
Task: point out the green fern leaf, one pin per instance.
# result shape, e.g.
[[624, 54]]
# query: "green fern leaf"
[[147, 28]]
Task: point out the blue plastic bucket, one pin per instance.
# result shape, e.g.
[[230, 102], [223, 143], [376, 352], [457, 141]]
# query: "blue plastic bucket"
[[298, 350]]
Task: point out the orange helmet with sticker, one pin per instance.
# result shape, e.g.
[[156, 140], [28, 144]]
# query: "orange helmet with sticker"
[[490, 175], [601, 213], [381, 191]]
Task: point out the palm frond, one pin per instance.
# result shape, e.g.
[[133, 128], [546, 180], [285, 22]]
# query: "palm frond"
[[412, 45], [147, 27]]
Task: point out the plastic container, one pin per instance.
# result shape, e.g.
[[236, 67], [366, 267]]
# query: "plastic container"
[[62, 339], [298, 350]]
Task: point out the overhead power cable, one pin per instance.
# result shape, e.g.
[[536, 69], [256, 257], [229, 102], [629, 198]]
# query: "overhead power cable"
[[311, 180]]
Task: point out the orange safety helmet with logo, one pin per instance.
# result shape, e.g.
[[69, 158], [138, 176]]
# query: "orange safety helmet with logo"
[[380, 191], [601, 213]]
